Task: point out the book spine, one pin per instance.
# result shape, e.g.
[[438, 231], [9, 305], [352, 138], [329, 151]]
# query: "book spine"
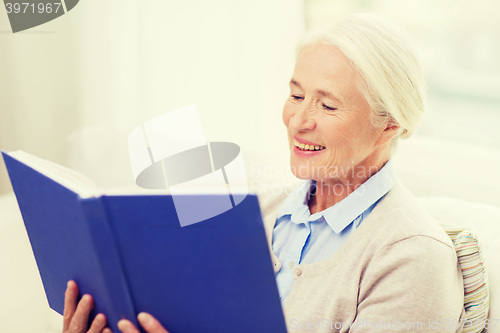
[[119, 303]]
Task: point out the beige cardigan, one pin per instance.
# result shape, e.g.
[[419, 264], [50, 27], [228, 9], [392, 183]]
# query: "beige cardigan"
[[398, 267]]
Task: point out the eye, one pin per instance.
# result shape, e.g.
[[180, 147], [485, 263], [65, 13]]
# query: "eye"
[[297, 97], [329, 108]]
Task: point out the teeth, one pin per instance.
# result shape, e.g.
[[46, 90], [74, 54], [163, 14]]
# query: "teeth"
[[302, 146]]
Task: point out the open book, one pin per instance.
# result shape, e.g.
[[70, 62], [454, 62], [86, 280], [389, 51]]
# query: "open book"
[[131, 254]]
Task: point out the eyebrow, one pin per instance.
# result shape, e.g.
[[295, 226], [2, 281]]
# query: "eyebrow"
[[319, 91]]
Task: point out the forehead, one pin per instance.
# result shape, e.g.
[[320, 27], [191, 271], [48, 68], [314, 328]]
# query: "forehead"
[[325, 67]]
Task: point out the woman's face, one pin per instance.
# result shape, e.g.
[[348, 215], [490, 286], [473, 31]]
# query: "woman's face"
[[326, 109]]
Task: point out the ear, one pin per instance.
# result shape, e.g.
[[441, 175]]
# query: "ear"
[[389, 130]]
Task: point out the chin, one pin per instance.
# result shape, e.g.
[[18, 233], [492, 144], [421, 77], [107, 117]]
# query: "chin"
[[302, 176], [301, 171]]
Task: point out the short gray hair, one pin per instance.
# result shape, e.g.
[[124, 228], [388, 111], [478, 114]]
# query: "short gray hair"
[[389, 74]]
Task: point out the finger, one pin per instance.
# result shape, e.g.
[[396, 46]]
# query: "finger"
[[107, 330], [127, 327], [150, 324], [81, 317], [70, 298], [98, 324]]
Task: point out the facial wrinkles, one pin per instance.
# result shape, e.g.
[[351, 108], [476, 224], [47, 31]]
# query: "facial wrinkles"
[[335, 165], [344, 131], [338, 151]]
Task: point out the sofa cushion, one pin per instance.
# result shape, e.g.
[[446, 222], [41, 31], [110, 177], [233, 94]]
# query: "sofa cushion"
[[475, 230]]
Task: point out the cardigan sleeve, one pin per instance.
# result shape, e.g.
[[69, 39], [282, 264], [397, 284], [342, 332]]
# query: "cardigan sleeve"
[[414, 284]]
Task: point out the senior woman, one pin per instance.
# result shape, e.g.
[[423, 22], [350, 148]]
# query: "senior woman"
[[352, 249]]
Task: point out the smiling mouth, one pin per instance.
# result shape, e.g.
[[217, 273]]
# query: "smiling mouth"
[[304, 147]]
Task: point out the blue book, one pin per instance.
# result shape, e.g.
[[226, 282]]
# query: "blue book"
[[132, 255]]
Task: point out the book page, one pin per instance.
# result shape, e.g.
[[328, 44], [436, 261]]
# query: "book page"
[[67, 177]]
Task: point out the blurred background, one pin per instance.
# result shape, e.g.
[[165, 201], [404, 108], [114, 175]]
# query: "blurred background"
[[71, 91]]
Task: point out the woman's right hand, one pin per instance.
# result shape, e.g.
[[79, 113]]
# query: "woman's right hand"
[[76, 316]]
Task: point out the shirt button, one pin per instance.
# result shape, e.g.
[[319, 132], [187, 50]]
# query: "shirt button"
[[298, 271], [290, 264]]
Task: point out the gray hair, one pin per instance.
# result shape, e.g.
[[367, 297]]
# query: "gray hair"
[[389, 74]]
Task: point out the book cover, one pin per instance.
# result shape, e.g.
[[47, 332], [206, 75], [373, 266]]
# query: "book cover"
[[131, 254]]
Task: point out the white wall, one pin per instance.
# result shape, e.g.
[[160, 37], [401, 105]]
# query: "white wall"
[[107, 66], [38, 94], [72, 89], [232, 59]]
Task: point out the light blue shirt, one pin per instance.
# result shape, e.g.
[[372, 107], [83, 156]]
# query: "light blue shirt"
[[302, 238]]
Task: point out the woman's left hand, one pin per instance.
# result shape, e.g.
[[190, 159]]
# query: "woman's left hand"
[[147, 321]]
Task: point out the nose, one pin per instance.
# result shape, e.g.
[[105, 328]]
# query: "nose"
[[303, 119]]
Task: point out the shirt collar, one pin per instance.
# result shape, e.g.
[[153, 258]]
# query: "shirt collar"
[[296, 202], [344, 212]]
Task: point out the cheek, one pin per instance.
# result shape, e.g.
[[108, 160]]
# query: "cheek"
[[367, 133], [336, 131]]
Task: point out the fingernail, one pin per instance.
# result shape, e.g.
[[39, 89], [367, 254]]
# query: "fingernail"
[[87, 299], [145, 319], [99, 320], [123, 325]]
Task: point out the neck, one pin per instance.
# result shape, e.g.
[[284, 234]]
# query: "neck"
[[330, 191]]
